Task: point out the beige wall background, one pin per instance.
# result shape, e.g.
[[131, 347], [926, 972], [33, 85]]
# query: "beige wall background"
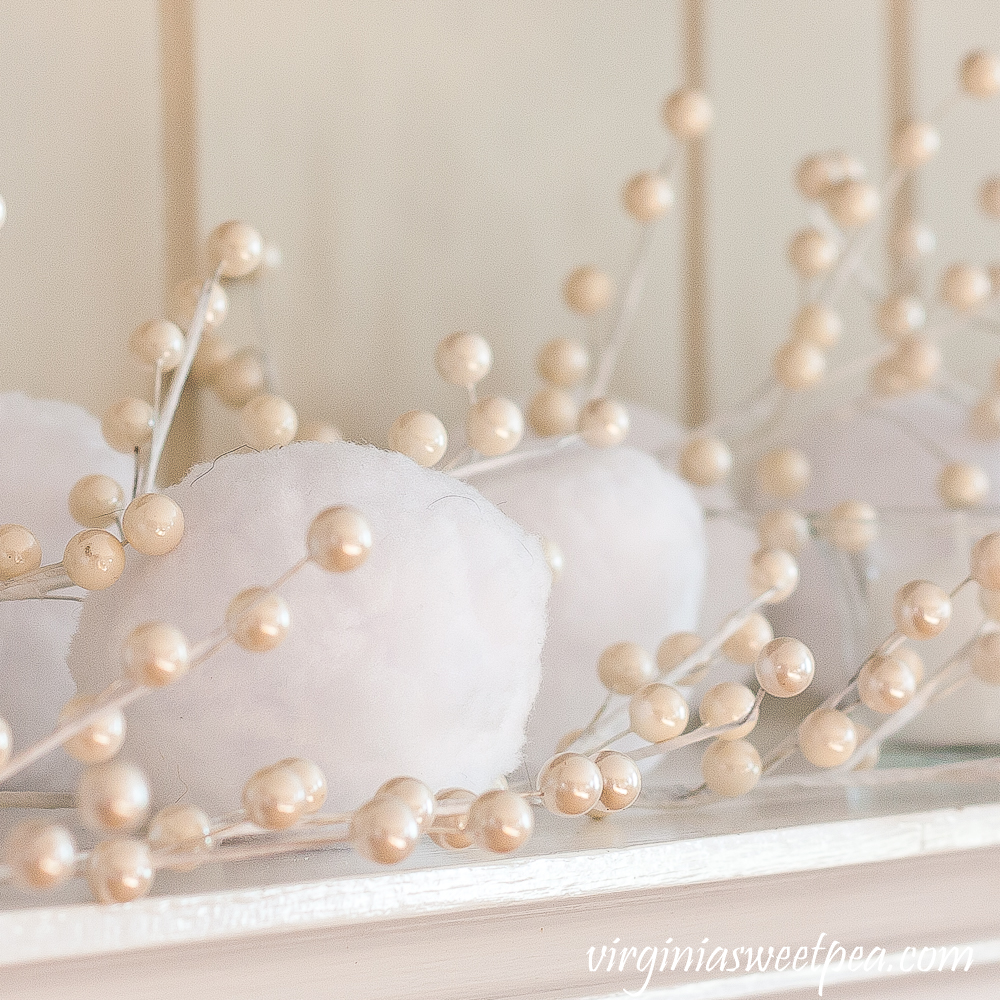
[[440, 165]]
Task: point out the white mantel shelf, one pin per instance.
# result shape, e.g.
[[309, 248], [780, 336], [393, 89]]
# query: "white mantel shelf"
[[455, 915]]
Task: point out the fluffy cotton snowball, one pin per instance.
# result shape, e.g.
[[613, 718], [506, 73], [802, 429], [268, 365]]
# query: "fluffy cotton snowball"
[[729, 541], [45, 447], [871, 456], [423, 662], [632, 539]]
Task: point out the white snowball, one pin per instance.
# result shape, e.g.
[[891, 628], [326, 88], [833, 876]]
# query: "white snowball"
[[729, 541], [425, 661], [45, 447], [869, 456], [632, 538]]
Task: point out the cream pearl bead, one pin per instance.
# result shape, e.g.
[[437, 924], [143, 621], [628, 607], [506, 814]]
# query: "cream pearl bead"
[[648, 196], [101, 739], [158, 342], [784, 529], [94, 559], [799, 364], [705, 461], [95, 501], [985, 657], [268, 422], [886, 684], [554, 557], [463, 359], [553, 412], [450, 831], [19, 551], [339, 539], [571, 784], [127, 424], [914, 144], [184, 304], [773, 569], [500, 821], [420, 436], [120, 870], [827, 738], [112, 796], [155, 654], [658, 712], [909, 656], [622, 780], [180, 827], [6, 742], [899, 316], [989, 604], [675, 649], [887, 381], [984, 418], [785, 667], [236, 247], [213, 352], [625, 667], [815, 175], [980, 74], [687, 114], [313, 781], [384, 830], [318, 430], [921, 610], [912, 241], [731, 768], [563, 361], [852, 202], [494, 426], [39, 855], [818, 324], [258, 619], [989, 197], [726, 703], [852, 526], [587, 290], [746, 643], [153, 524], [985, 561], [783, 472], [918, 360], [417, 797], [239, 378], [274, 798], [811, 253], [964, 287], [603, 423], [962, 485]]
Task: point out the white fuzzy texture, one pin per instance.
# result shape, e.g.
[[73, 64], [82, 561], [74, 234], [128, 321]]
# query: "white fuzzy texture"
[[424, 661], [45, 447], [865, 456], [632, 537], [728, 540]]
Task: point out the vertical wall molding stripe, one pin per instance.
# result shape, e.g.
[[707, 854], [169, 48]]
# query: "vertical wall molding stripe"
[[179, 152], [694, 284], [900, 103]]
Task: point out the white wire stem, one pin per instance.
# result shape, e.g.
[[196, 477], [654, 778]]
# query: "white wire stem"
[[121, 693], [36, 584], [698, 735], [951, 676], [37, 800], [513, 458], [166, 418]]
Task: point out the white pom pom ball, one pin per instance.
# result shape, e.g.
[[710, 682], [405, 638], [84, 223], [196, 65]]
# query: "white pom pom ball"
[[424, 660]]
